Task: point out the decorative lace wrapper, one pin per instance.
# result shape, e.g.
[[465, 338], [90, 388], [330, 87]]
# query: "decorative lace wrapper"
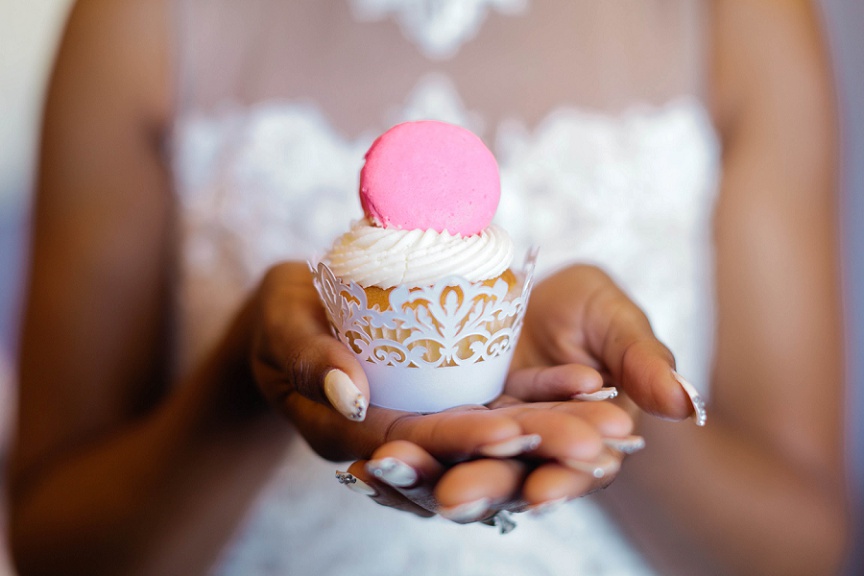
[[436, 346]]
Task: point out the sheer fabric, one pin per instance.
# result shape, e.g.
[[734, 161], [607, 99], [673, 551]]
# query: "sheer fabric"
[[607, 154]]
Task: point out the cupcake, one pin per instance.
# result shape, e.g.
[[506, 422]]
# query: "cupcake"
[[422, 288]]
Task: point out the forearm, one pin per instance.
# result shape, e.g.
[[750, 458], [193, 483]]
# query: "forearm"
[[717, 500], [162, 494]]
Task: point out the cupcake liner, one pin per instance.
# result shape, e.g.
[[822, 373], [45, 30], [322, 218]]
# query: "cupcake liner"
[[432, 347]]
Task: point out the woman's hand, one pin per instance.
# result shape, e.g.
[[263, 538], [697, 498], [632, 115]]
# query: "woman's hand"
[[562, 446], [304, 372], [470, 462], [583, 339], [580, 330], [568, 449]]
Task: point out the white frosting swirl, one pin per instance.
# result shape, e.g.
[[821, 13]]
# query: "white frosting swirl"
[[373, 256]]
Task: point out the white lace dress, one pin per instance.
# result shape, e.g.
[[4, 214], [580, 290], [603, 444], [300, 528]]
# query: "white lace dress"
[[607, 155]]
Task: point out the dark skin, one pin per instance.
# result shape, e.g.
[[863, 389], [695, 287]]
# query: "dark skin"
[[97, 401]]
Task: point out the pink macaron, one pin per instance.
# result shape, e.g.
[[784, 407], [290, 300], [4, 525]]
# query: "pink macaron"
[[430, 175]]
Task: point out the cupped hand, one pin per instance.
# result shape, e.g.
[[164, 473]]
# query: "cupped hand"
[[305, 373], [583, 339], [470, 462], [567, 449], [582, 332]]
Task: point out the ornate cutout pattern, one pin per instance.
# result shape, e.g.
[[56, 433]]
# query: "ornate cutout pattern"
[[452, 323]]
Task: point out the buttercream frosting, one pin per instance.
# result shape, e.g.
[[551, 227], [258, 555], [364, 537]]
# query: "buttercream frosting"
[[386, 257]]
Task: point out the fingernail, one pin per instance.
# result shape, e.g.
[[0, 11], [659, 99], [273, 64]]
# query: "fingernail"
[[344, 395], [502, 520], [700, 416], [393, 472], [512, 447], [468, 512], [605, 465], [547, 507], [627, 445], [602, 394], [355, 484]]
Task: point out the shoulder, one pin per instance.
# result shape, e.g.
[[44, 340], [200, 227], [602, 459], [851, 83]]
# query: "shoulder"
[[115, 54], [768, 53]]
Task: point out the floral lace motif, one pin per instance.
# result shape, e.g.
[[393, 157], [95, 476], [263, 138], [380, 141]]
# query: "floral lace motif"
[[437, 27]]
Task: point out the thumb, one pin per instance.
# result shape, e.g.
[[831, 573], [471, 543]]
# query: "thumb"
[[641, 364], [324, 370], [294, 351], [317, 367]]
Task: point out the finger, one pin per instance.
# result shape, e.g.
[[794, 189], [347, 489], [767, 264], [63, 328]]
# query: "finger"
[[564, 437], [607, 418], [363, 482], [455, 435], [295, 351], [579, 436], [451, 436], [333, 436], [553, 383], [319, 368], [610, 420], [423, 466], [619, 333], [408, 470], [554, 483], [472, 491]]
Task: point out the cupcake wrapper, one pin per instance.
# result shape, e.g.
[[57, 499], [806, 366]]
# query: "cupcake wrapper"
[[437, 346]]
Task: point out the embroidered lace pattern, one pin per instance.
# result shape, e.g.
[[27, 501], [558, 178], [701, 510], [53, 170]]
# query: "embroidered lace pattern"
[[437, 27]]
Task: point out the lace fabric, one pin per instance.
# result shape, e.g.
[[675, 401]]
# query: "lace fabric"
[[606, 153], [438, 28], [632, 193]]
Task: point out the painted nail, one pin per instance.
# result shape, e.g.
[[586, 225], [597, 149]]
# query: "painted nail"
[[700, 416], [502, 520], [627, 445], [512, 447], [344, 395], [355, 484], [468, 512], [547, 507], [605, 465], [602, 394], [393, 472]]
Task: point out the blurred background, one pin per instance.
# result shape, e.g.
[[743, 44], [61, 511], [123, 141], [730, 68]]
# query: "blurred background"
[[28, 38]]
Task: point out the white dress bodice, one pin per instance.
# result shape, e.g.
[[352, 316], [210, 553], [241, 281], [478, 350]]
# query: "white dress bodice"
[[270, 173]]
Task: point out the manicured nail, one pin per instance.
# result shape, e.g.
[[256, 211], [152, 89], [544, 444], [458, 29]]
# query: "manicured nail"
[[393, 472], [468, 512], [700, 416], [355, 484], [627, 445], [547, 507], [602, 394], [503, 521], [344, 395], [605, 465], [512, 447]]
